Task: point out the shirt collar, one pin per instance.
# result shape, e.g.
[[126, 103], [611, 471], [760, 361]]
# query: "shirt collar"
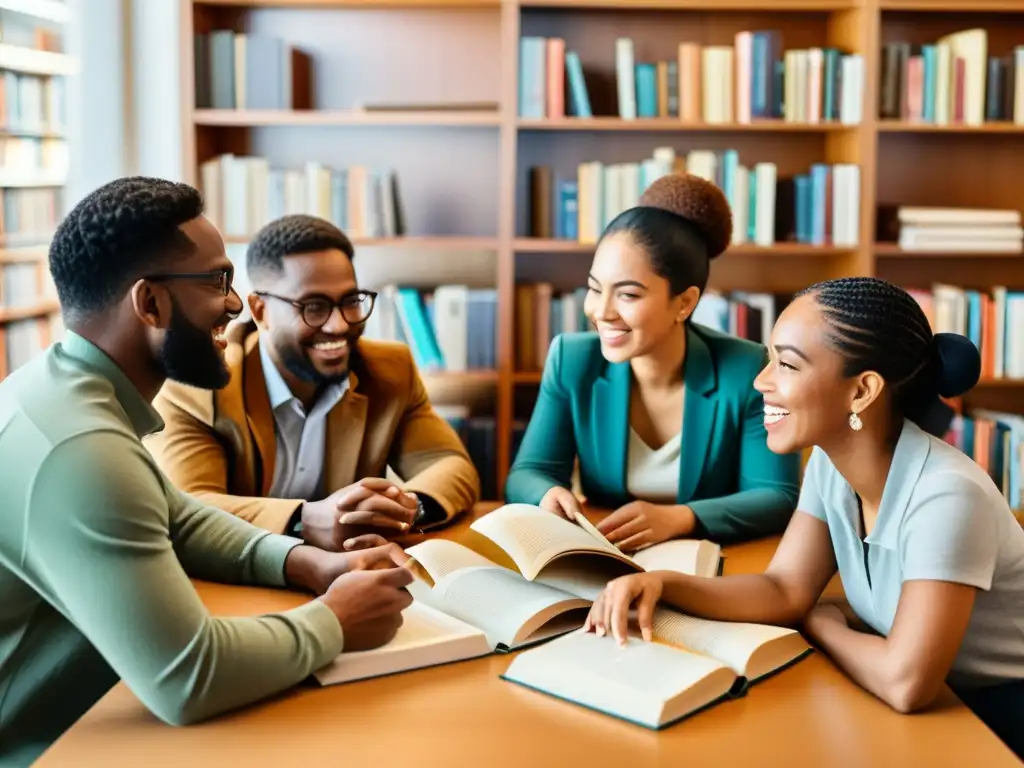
[[143, 416], [279, 392], [908, 462]]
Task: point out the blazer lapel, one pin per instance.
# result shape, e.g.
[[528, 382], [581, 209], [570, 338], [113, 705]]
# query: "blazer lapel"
[[610, 419], [259, 415], [346, 426], [699, 410]]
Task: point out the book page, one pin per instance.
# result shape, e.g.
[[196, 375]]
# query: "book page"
[[647, 683], [426, 637], [732, 643], [439, 557], [502, 603], [533, 537], [690, 556]]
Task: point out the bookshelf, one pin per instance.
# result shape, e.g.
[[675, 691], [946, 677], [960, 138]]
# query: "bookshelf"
[[33, 171], [462, 147]]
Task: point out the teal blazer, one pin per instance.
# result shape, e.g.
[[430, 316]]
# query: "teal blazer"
[[736, 487]]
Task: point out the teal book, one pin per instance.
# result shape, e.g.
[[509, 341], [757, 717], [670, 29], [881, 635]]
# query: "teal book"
[[690, 665]]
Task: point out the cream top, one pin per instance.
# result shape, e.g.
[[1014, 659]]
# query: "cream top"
[[653, 475]]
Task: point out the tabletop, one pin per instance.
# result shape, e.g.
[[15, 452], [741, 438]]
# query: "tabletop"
[[462, 714]]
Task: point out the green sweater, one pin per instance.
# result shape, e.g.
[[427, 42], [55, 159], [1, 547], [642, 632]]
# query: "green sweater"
[[96, 552]]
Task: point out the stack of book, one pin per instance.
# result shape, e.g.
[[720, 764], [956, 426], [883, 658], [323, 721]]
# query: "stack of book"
[[951, 229]]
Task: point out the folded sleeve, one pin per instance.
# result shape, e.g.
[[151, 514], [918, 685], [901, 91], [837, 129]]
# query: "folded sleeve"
[[110, 549], [951, 533]]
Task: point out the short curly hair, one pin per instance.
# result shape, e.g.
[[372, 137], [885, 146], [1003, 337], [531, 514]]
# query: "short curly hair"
[[683, 221], [115, 235], [288, 235]]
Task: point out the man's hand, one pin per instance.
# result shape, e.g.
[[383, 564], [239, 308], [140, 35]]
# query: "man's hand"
[[640, 524], [371, 506], [315, 570], [562, 502], [369, 605]]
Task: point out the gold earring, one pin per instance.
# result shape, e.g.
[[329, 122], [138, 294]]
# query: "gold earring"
[[855, 423]]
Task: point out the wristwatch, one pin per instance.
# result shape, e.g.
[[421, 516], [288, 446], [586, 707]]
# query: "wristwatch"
[[421, 512]]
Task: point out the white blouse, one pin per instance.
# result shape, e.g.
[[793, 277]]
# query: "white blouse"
[[653, 475]]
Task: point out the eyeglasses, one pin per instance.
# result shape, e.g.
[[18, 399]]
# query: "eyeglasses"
[[316, 311], [222, 278]]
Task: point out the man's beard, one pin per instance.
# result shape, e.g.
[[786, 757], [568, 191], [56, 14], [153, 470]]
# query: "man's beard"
[[190, 356], [297, 362]]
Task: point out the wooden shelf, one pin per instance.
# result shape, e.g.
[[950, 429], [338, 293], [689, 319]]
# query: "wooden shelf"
[[900, 126], [992, 383], [13, 314], [32, 62], [540, 245], [23, 255], [414, 242], [354, 3], [893, 251], [674, 124], [258, 118], [48, 10], [954, 6], [698, 5]]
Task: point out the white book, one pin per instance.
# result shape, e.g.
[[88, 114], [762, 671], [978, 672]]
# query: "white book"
[[690, 665], [468, 605]]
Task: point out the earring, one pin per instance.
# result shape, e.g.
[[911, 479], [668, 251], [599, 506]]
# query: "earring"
[[855, 423]]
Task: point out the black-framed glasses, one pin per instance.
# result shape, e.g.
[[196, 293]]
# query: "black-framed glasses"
[[355, 307], [222, 278]]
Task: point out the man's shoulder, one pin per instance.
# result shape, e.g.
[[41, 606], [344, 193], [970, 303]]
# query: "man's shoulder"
[[384, 364]]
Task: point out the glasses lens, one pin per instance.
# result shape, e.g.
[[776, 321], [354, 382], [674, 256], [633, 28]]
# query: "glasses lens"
[[316, 313], [357, 307]]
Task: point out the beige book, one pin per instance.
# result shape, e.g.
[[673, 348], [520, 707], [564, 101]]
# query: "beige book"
[[466, 605], [690, 665]]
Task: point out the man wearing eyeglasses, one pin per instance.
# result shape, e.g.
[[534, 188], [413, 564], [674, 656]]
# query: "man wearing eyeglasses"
[[301, 438], [97, 546]]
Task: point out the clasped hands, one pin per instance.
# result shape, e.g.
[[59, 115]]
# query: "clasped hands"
[[632, 526], [363, 514]]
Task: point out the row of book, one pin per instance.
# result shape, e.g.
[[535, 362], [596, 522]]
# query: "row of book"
[[237, 70], [994, 440], [750, 80], [994, 322], [25, 284], [25, 160], [965, 230], [819, 207], [32, 104], [951, 81], [244, 192], [447, 328], [23, 340], [28, 215]]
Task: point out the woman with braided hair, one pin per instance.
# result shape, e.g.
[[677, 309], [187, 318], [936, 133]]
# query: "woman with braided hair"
[[929, 553], [660, 412]]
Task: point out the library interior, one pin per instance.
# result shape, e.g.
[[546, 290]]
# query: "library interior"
[[476, 185]]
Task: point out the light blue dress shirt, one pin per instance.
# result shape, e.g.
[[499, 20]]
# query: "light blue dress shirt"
[[941, 518], [301, 437]]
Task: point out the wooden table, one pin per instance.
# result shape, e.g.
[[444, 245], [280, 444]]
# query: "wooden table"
[[463, 715]]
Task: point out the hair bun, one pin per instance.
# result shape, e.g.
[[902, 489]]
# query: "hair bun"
[[697, 200], [958, 363]]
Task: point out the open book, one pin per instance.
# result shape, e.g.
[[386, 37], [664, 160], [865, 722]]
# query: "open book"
[[690, 664], [478, 606]]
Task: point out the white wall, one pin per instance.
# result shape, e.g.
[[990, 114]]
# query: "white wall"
[[129, 122]]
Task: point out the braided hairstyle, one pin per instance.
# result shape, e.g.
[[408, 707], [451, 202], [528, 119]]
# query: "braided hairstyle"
[[878, 326], [116, 235], [683, 221]]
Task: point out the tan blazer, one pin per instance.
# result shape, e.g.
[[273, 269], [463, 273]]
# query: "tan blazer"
[[219, 446]]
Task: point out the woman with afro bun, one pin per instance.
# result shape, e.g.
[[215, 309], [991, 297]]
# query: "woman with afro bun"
[[659, 411], [930, 556]]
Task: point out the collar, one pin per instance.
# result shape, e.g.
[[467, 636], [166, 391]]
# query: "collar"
[[908, 463], [279, 392], [699, 373], [143, 417]]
